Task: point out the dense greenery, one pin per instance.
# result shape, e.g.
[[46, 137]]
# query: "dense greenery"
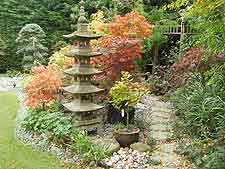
[[205, 154], [200, 100], [2, 55], [59, 128], [58, 17], [202, 107], [52, 16]]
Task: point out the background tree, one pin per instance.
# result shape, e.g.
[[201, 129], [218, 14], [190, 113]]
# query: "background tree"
[[30, 45], [56, 18], [2, 55], [52, 15]]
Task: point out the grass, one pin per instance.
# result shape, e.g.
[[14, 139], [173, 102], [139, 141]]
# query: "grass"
[[13, 154]]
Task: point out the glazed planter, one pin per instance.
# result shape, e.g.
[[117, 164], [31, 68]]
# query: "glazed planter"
[[126, 138], [114, 115]]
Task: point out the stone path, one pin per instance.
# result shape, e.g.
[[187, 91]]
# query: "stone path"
[[159, 119], [8, 84], [162, 117]]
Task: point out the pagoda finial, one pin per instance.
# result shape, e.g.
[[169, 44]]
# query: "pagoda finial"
[[82, 18]]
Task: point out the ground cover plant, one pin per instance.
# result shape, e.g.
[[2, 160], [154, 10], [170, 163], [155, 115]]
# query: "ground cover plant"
[[88, 151], [59, 128], [51, 122]]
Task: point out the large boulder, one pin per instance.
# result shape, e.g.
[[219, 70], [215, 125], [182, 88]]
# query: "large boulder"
[[111, 145], [141, 147]]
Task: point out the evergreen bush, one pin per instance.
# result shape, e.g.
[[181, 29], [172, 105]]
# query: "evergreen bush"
[[31, 47]]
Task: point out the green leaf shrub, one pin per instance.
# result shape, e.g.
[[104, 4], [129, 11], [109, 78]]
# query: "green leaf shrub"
[[88, 151], [59, 128], [126, 93], [204, 154], [200, 107], [54, 124], [51, 122]]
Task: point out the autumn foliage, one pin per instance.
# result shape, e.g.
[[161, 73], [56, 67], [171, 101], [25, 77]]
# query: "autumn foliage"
[[122, 45], [189, 62], [132, 24], [43, 86], [119, 56]]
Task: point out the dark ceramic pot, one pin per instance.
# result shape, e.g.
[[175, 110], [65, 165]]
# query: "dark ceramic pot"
[[126, 138], [114, 115]]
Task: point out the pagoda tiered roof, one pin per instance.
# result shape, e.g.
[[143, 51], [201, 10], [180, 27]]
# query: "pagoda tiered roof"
[[82, 88], [81, 34], [80, 69], [81, 52], [80, 106]]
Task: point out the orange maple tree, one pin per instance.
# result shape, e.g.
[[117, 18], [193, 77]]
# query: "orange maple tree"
[[132, 24], [44, 84], [122, 45], [118, 56]]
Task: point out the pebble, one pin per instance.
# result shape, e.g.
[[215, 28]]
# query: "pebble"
[[127, 158], [40, 142]]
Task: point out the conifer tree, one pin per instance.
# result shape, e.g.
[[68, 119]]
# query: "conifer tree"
[[2, 53], [31, 46]]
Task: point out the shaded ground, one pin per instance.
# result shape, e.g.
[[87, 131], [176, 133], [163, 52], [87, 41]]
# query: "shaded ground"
[[13, 154]]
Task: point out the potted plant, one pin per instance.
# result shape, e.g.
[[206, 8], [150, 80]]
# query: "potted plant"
[[125, 94]]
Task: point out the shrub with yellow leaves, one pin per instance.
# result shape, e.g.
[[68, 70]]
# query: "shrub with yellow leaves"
[[97, 24], [125, 94], [60, 60]]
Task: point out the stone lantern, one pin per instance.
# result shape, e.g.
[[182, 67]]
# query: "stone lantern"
[[85, 115]]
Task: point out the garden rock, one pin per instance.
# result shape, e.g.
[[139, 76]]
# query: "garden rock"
[[111, 145], [141, 147], [127, 158]]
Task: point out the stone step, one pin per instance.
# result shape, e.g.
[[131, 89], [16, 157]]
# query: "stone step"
[[162, 104], [160, 121], [169, 160], [160, 115], [161, 127], [161, 135], [168, 147], [161, 109]]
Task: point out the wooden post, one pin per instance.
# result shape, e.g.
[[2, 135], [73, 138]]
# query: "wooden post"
[[182, 34], [155, 60]]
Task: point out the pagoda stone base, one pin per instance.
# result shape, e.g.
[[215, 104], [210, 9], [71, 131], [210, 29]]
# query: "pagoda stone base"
[[86, 121]]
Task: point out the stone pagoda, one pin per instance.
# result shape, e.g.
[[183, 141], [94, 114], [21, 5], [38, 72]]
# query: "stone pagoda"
[[85, 115]]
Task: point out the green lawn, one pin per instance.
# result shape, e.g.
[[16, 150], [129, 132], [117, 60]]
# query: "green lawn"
[[13, 154]]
